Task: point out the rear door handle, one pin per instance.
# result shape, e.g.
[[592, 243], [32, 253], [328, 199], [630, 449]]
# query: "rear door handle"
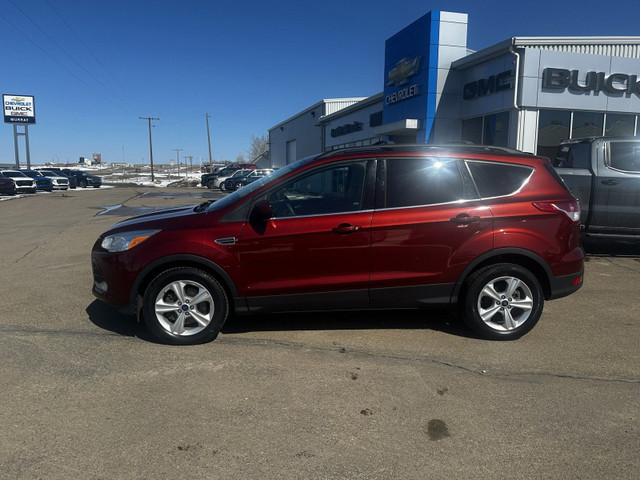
[[345, 228], [610, 181], [464, 219]]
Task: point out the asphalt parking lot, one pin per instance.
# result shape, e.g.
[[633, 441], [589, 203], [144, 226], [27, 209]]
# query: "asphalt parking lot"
[[85, 393]]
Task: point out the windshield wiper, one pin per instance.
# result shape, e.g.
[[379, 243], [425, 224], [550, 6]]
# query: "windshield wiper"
[[203, 206]]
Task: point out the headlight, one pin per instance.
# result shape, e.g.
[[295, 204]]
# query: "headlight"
[[119, 242]]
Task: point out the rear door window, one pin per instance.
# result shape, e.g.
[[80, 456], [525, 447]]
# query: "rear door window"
[[498, 179], [423, 181], [625, 156]]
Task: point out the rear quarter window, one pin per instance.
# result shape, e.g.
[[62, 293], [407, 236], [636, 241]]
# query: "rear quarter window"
[[497, 179]]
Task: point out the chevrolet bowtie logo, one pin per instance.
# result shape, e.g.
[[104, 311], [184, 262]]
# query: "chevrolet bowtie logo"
[[404, 69]]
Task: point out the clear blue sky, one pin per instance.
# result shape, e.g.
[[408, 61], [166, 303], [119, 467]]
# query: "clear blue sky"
[[250, 64]]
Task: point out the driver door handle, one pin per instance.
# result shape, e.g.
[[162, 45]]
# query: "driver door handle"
[[610, 181], [345, 228], [464, 219]]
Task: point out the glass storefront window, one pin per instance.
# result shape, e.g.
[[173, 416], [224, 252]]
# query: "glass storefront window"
[[553, 127], [496, 129], [472, 131], [619, 125], [587, 124]]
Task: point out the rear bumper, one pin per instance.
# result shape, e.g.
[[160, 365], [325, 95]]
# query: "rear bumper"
[[565, 285]]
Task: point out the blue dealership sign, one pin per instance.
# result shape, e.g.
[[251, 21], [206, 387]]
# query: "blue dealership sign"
[[411, 74]]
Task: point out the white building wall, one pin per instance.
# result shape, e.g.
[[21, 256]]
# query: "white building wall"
[[303, 129], [361, 116], [494, 102], [452, 45]]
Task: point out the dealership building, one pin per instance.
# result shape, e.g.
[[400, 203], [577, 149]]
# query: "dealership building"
[[527, 93]]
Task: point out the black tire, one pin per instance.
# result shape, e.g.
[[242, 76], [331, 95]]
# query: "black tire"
[[162, 289], [222, 187], [487, 292], [240, 185], [211, 184]]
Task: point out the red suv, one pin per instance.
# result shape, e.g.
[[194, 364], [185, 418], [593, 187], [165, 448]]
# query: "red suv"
[[492, 230]]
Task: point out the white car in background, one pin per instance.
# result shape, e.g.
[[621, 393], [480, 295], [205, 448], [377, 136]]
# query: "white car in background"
[[219, 181], [59, 182], [24, 184]]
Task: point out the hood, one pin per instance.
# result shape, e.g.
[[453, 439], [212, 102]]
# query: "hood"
[[180, 217]]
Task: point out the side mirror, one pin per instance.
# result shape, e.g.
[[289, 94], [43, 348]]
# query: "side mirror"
[[263, 211]]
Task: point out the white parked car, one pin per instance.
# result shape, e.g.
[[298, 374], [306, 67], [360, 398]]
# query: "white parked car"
[[219, 181], [59, 182], [24, 184]]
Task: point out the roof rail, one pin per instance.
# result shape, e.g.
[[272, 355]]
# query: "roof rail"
[[460, 147]]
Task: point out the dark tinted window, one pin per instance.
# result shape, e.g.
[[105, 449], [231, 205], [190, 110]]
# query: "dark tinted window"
[[619, 125], [496, 180], [553, 127], [496, 129], [587, 124], [422, 181], [573, 155], [336, 189], [472, 130], [625, 156]]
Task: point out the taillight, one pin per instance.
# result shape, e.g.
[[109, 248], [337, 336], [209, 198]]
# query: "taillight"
[[571, 209]]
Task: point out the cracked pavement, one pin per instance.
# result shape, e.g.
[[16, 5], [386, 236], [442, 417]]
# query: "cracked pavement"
[[371, 395]]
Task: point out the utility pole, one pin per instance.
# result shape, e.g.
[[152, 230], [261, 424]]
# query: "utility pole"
[[209, 139], [178, 150], [150, 145], [185, 166], [191, 163]]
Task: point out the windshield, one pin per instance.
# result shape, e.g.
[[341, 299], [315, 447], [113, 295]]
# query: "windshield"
[[14, 174], [252, 187], [48, 174]]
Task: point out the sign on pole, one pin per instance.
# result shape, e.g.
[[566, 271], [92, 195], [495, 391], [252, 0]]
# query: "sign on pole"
[[19, 109]]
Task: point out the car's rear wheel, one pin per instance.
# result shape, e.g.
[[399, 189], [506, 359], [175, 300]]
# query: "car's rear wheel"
[[222, 187], [185, 306], [240, 185], [502, 302]]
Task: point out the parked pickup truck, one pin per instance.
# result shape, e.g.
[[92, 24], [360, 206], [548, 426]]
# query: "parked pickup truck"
[[603, 173]]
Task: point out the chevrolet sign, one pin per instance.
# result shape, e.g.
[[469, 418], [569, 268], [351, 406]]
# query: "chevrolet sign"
[[403, 71]]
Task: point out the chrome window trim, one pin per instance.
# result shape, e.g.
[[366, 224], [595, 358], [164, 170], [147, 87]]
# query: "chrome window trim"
[[324, 214]]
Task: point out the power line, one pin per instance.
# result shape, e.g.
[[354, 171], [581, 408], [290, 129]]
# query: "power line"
[[69, 55], [54, 59], [85, 47]]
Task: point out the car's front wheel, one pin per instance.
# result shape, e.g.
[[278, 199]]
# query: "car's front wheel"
[[211, 184], [240, 185], [223, 186], [502, 302], [185, 306]]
